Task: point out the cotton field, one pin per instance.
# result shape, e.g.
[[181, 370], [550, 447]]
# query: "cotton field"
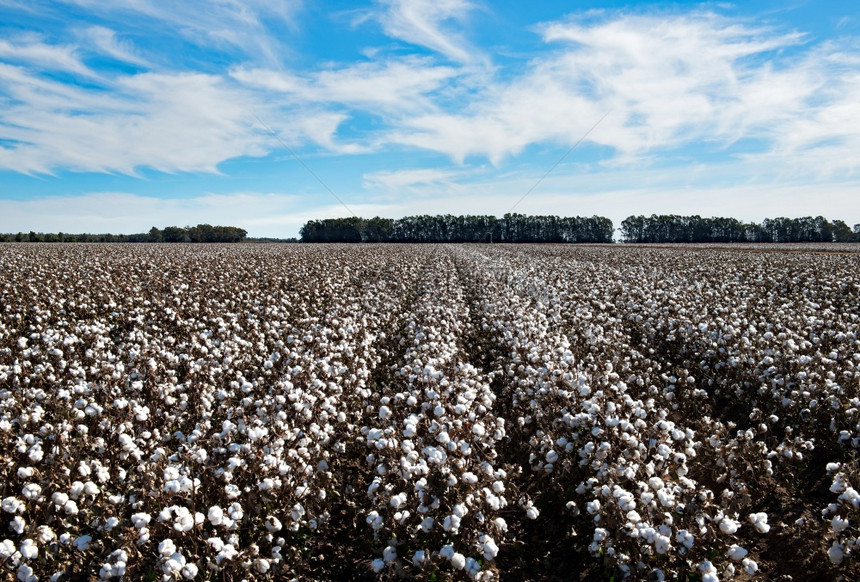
[[270, 412]]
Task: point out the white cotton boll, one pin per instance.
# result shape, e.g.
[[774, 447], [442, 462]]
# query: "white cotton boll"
[[70, 507], [384, 412], [24, 573], [656, 483], [17, 524], [458, 561], [29, 549], [685, 538], [750, 566], [90, 488], [25, 472], [31, 491], [737, 553], [501, 524], [418, 558], [451, 523], [478, 429], [759, 520], [488, 547], [838, 524], [661, 544], [469, 478], [633, 517], [273, 524], [427, 524], [82, 543], [262, 565], [551, 457], [167, 547], [377, 565], [111, 523], [398, 500], [184, 521], [729, 526], [389, 554], [75, 490], [460, 510], [439, 410], [593, 506], [443, 437], [45, 534], [189, 571], [140, 520], [831, 467], [836, 553], [447, 551], [532, 512]]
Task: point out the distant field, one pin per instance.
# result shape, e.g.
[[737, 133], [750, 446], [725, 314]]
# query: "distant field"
[[220, 412]]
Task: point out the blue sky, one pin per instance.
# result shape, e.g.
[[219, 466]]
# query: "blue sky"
[[117, 115]]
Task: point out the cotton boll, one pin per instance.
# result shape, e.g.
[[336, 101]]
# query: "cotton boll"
[[488, 547], [418, 558], [836, 553], [736, 552], [661, 544], [189, 571], [458, 561], [377, 565], [750, 566], [167, 547], [273, 524], [838, 524], [17, 524], [29, 549], [729, 526], [759, 520]]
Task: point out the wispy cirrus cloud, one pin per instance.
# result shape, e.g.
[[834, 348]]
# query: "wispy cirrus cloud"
[[385, 87], [107, 42], [31, 50], [427, 23], [253, 27]]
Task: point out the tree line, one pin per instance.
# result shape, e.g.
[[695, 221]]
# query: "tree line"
[[671, 228], [202, 233], [448, 228]]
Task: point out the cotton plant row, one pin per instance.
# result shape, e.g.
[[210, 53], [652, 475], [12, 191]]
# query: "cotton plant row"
[[187, 413], [431, 436]]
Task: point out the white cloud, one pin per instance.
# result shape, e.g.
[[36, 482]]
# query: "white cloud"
[[106, 41], [180, 122], [422, 22], [243, 24], [387, 87], [51, 57], [669, 82], [411, 180]]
